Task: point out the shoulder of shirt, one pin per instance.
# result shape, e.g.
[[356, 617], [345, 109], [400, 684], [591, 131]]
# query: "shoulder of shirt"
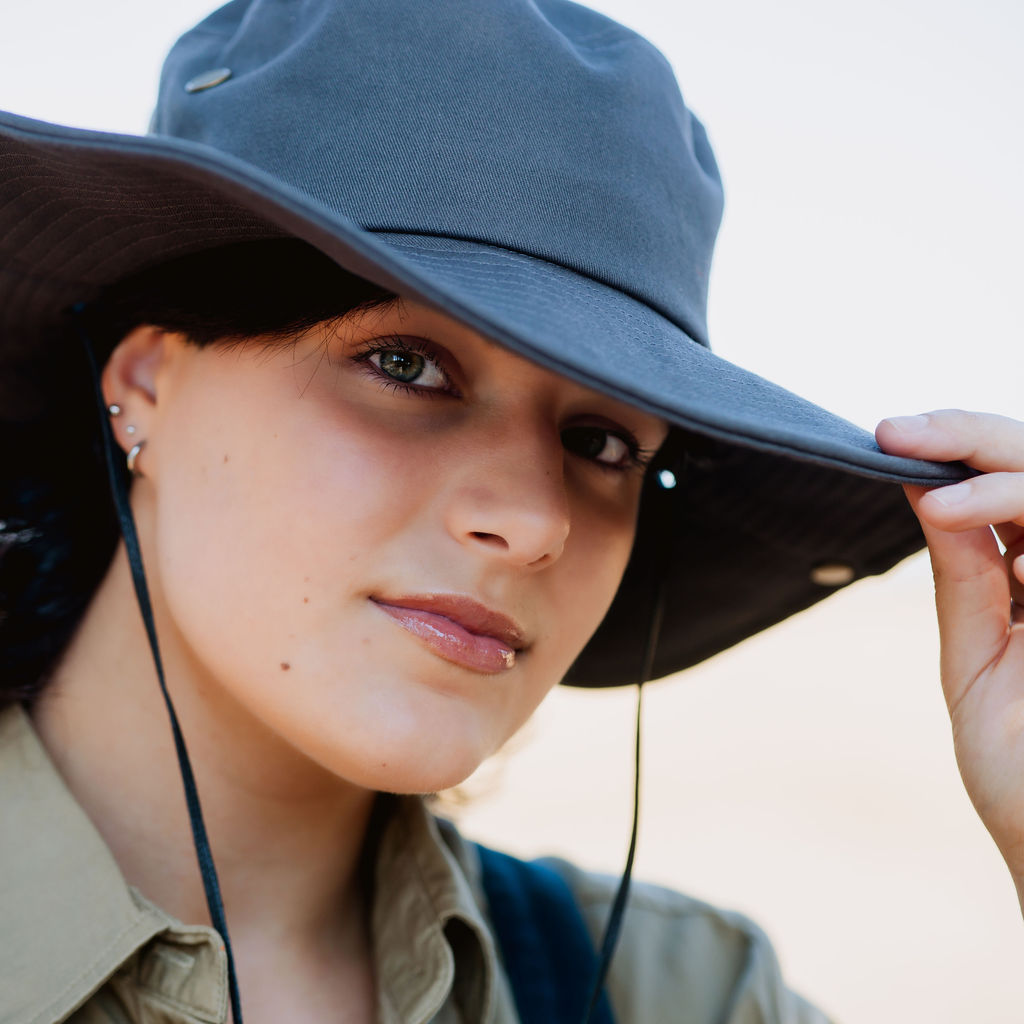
[[675, 950], [676, 955]]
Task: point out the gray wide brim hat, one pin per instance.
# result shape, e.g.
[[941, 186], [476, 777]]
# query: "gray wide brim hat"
[[531, 170]]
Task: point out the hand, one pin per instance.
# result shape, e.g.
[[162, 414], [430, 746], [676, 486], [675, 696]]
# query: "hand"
[[979, 596]]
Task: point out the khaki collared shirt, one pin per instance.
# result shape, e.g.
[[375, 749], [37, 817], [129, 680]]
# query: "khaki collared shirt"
[[79, 944]]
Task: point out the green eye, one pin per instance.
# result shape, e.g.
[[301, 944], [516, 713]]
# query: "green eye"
[[402, 366]]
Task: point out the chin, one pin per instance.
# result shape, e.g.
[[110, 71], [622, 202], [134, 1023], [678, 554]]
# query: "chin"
[[418, 783], [413, 769], [409, 746]]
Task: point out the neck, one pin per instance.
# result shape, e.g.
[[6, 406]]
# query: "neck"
[[267, 807]]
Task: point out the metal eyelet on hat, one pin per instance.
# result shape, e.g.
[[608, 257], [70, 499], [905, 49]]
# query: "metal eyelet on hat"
[[208, 79], [833, 574]]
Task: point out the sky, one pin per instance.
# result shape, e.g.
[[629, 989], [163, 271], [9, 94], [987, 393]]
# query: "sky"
[[871, 260]]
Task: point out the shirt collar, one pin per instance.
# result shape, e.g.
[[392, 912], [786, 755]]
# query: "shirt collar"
[[70, 920], [430, 935]]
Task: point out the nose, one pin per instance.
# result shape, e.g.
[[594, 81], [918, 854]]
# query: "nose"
[[510, 501]]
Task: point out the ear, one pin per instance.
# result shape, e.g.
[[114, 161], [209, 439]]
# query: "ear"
[[129, 381]]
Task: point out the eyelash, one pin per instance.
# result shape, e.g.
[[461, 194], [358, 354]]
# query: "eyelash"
[[637, 458]]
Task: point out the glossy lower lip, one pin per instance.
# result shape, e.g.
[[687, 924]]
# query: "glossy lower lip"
[[451, 640]]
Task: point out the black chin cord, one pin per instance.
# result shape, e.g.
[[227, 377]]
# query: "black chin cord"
[[614, 925], [131, 540]]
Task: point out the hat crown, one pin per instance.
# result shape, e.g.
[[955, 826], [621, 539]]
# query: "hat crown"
[[544, 128]]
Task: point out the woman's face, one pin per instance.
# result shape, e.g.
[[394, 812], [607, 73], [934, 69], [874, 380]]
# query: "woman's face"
[[387, 541]]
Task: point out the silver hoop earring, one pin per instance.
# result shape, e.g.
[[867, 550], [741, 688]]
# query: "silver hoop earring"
[[132, 456]]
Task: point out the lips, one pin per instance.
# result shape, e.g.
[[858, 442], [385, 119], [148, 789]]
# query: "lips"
[[458, 629]]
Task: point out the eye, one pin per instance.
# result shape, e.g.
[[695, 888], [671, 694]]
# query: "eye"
[[599, 444], [409, 367], [401, 363]]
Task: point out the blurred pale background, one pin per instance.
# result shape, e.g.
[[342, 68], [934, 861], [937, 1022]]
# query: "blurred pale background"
[[871, 259]]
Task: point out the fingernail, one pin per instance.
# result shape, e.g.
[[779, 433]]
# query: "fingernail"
[[908, 424], [952, 495]]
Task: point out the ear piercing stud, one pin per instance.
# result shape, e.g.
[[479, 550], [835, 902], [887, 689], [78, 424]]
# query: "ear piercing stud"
[[115, 410]]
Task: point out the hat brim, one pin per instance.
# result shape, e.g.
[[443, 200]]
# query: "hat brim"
[[783, 488]]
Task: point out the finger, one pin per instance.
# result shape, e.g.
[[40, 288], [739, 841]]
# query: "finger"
[[1010, 534], [1013, 559], [1017, 584], [1015, 567], [972, 599], [1012, 537], [970, 504], [982, 440]]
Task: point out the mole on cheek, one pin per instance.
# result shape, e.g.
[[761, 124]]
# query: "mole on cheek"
[[225, 457], [305, 600], [285, 666]]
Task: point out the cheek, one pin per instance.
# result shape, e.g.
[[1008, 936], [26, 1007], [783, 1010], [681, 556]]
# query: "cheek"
[[583, 583], [604, 531], [261, 525]]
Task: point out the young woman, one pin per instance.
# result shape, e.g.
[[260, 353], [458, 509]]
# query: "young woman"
[[404, 355]]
